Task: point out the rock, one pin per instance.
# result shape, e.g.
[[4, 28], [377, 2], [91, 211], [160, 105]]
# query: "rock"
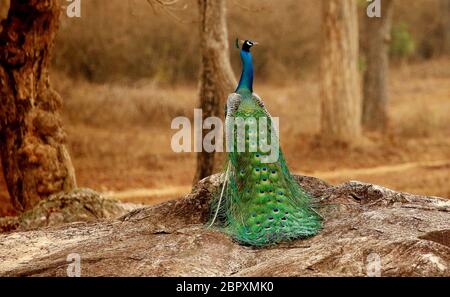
[[369, 230], [79, 205], [8, 224]]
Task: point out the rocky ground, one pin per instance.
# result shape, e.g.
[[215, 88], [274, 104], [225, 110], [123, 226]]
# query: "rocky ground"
[[369, 230]]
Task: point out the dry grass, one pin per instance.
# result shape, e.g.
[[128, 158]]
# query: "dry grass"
[[121, 70], [110, 105], [125, 40], [418, 112], [119, 135], [422, 104], [419, 107]]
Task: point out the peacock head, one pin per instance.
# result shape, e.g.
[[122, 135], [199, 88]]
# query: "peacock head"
[[246, 44]]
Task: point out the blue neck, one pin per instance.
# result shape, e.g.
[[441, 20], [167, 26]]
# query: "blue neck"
[[246, 81]]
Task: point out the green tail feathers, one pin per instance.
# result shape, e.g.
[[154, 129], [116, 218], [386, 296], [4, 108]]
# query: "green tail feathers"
[[261, 203]]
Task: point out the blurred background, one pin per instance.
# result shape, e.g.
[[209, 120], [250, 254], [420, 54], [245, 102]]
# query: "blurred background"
[[125, 69]]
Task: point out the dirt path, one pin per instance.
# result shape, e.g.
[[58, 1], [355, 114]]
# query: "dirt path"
[[381, 169], [157, 195], [149, 196]]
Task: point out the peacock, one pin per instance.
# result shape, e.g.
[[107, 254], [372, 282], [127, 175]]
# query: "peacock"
[[259, 202]]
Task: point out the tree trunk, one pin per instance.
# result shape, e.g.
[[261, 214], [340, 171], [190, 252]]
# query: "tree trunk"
[[340, 84], [216, 79], [446, 26], [374, 117], [34, 159]]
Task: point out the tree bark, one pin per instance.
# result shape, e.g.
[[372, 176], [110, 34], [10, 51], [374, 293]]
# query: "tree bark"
[[446, 26], [216, 79], [340, 84], [34, 158], [375, 90], [365, 224]]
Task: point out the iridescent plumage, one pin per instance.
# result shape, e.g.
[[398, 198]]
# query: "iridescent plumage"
[[259, 203]]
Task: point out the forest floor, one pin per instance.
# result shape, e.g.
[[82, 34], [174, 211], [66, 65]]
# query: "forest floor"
[[119, 136]]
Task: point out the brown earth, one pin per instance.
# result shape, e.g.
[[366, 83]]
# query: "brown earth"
[[119, 136]]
